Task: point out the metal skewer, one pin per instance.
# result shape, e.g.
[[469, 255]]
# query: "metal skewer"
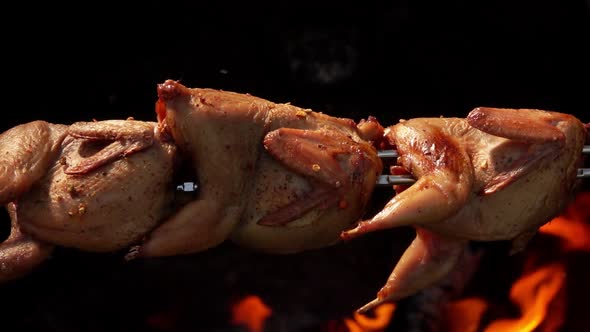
[[390, 180], [385, 154]]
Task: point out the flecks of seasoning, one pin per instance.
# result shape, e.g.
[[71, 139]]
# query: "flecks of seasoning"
[[72, 190], [301, 114], [484, 164], [315, 167], [81, 209]]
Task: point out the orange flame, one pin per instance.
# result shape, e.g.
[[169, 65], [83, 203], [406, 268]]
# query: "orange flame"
[[537, 293], [533, 293], [251, 312], [464, 315], [570, 226], [575, 235], [378, 323]]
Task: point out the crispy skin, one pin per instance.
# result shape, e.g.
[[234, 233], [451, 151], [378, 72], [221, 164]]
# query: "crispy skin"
[[499, 174], [110, 201], [96, 186], [273, 177], [20, 253], [26, 152]]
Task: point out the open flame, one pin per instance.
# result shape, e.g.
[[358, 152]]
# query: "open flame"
[[464, 315], [538, 294], [377, 323], [533, 293], [250, 312], [540, 290], [570, 226]]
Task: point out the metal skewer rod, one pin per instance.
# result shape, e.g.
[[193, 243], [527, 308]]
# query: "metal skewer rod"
[[385, 154], [390, 180]]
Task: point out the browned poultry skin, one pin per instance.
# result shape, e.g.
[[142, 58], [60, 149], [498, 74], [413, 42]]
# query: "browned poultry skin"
[[20, 253], [97, 186], [497, 175], [27, 151], [273, 177]]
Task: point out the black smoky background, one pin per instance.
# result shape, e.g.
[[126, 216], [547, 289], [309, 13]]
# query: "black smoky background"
[[66, 62]]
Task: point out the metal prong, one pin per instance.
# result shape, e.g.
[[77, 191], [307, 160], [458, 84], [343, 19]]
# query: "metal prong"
[[390, 180], [187, 187], [393, 153], [387, 154]]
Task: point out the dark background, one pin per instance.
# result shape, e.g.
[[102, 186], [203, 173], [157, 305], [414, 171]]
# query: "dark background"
[[394, 59], [397, 59]]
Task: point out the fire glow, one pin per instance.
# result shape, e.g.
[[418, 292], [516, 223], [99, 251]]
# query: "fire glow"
[[378, 323], [250, 312], [538, 295], [572, 227]]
